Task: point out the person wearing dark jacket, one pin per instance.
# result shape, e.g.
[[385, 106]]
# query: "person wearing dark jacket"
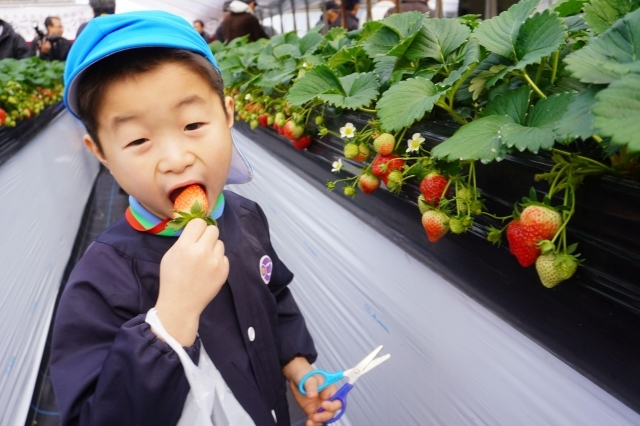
[[100, 8], [413, 5], [53, 46], [12, 45], [353, 23], [241, 22], [199, 26]]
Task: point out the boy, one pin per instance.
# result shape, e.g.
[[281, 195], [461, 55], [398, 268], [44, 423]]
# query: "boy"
[[148, 90]]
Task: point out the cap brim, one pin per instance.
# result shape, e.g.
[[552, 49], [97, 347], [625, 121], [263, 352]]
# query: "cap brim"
[[240, 170]]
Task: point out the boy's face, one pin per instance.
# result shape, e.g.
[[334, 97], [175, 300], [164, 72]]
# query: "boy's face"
[[161, 131]]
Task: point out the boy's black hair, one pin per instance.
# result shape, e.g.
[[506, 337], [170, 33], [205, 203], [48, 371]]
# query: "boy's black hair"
[[98, 77]]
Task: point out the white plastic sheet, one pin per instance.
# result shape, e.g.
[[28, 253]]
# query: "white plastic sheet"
[[453, 362], [43, 191]]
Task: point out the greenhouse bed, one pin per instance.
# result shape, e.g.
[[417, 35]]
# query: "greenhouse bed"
[[590, 322]]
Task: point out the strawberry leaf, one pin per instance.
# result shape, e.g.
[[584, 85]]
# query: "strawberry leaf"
[[568, 7], [310, 42], [394, 34], [317, 81], [577, 122], [612, 55], [406, 102], [617, 113], [358, 90], [478, 140], [602, 14], [438, 39], [514, 104]]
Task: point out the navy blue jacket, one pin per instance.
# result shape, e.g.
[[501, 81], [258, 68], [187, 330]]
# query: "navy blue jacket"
[[108, 368]]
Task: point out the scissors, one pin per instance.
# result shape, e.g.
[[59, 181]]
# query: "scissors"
[[353, 374]]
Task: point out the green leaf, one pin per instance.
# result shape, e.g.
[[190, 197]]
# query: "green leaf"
[[602, 14], [286, 50], [481, 81], [477, 140], [438, 39], [384, 66], [405, 24], [318, 80], [310, 42], [513, 104], [617, 113], [612, 55], [540, 36], [344, 55], [336, 33], [395, 35], [538, 133], [471, 55], [577, 122], [406, 102], [360, 90], [499, 34], [568, 7]]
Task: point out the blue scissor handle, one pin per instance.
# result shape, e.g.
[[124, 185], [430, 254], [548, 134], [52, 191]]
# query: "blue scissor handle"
[[329, 378], [342, 396]]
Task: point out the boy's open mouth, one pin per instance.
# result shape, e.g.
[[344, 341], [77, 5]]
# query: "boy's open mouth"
[[176, 192]]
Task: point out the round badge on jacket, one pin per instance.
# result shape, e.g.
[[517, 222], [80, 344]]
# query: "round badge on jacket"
[[265, 268]]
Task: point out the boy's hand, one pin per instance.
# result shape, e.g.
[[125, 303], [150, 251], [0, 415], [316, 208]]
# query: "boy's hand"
[[294, 371], [191, 274]]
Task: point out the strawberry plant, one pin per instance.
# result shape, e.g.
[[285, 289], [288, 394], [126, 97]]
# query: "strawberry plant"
[[562, 83]]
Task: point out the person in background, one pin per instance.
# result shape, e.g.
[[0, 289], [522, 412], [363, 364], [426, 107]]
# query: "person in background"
[[199, 26], [100, 8], [475, 7], [53, 46], [331, 14], [413, 5], [241, 21], [12, 45], [225, 12], [353, 23]]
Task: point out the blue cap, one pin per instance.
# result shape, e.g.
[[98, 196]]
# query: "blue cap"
[[111, 34]]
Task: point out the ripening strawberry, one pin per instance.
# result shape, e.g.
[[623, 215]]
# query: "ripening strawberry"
[[368, 183], [351, 150], [523, 243], [384, 144], [302, 142], [432, 187], [263, 120], [384, 164], [363, 153], [436, 224], [543, 220]]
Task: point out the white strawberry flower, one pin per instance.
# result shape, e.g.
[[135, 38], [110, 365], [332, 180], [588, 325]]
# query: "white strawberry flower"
[[348, 131], [337, 166], [247, 97], [415, 142]]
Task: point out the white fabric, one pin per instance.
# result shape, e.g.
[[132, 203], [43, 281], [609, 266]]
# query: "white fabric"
[[453, 362], [237, 6], [210, 402], [44, 189]]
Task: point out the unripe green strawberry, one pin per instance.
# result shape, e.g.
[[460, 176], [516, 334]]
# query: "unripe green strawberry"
[[351, 150], [363, 152], [476, 207], [349, 191], [254, 124], [384, 144], [319, 120], [436, 224], [296, 117], [463, 198], [422, 205], [270, 120], [553, 269], [394, 181], [456, 226], [281, 119]]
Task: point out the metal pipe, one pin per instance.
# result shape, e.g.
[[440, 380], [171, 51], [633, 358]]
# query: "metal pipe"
[[491, 9], [398, 6], [281, 20], [293, 14], [439, 9], [343, 15], [306, 8], [369, 15]]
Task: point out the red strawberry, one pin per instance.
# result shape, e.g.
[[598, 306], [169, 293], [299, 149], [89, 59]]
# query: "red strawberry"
[[249, 107], [384, 164], [276, 127], [432, 187], [281, 130], [262, 119], [292, 130], [3, 116], [523, 243], [368, 183], [544, 221], [303, 142], [188, 197], [384, 144], [436, 224], [191, 203]]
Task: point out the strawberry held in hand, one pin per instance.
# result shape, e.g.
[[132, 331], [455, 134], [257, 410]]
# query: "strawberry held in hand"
[[191, 203]]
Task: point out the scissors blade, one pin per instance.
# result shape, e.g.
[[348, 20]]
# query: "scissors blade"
[[376, 362], [358, 369]]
